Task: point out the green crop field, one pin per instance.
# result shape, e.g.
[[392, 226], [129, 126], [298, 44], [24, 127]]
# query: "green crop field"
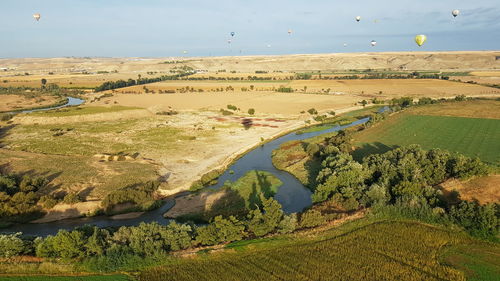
[[469, 136], [67, 278], [384, 250]]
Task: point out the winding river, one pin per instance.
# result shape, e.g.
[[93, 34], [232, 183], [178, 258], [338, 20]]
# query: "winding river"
[[292, 195], [71, 102]]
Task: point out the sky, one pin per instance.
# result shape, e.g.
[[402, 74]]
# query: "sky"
[[155, 28]]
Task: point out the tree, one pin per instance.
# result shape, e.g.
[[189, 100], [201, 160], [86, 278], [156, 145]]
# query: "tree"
[[288, 224], [97, 243], [221, 230], [263, 222], [251, 111], [480, 221], [311, 218], [340, 174], [69, 244], [364, 103], [11, 245], [177, 236], [44, 82]]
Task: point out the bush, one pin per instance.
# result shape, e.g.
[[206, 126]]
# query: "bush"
[[48, 202], [221, 230], [141, 195], [312, 111], [311, 218], [251, 111], [288, 224], [480, 221], [6, 117], [71, 198], [11, 245]]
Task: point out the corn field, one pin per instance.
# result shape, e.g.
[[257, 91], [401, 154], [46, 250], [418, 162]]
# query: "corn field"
[[379, 251]]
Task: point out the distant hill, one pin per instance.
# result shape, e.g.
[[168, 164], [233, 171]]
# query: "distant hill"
[[447, 61]]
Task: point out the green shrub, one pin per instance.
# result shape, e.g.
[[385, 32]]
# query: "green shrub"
[[11, 245], [311, 218]]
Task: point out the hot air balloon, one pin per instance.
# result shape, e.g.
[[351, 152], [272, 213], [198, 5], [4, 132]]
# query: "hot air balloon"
[[345, 44], [420, 39], [374, 43], [36, 16], [269, 45], [184, 52], [229, 41], [455, 13], [290, 32], [232, 34], [358, 18]]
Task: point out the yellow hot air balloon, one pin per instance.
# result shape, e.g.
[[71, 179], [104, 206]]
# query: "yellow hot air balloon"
[[37, 16], [420, 39]]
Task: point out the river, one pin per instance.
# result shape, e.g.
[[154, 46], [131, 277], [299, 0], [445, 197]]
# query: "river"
[[292, 195]]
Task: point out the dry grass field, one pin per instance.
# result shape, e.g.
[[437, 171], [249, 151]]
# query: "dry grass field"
[[380, 88], [444, 61], [484, 189], [267, 103], [17, 102]]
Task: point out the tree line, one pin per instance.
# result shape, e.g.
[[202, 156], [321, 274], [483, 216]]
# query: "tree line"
[[112, 85]]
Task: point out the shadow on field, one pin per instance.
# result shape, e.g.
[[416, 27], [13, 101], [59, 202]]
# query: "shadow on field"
[[371, 148], [4, 131]]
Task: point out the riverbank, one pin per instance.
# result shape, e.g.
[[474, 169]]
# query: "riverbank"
[[235, 156]]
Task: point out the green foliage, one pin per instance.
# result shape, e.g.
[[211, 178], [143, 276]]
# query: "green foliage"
[[342, 175], [413, 171], [480, 221], [311, 218], [288, 224], [220, 230], [312, 111], [11, 245], [111, 85], [251, 111], [19, 197], [153, 239], [232, 107], [283, 89], [263, 222], [207, 179], [71, 198], [141, 196]]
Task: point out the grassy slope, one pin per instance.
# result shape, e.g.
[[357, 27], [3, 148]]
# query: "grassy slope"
[[362, 250], [469, 136], [89, 138], [69, 171]]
